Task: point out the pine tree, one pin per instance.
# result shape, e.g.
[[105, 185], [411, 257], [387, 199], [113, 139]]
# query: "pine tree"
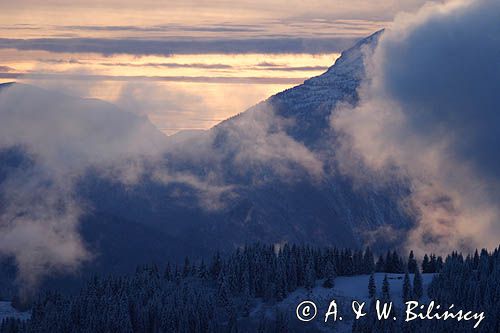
[[330, 275], [372, 289], [407, 292], [380, 265], [397, 264], [412, 263], [167, 275], [202, 271], [368, 261], [144, 302], [232, 326], [389, 267], [310, 278], [386, 293], [418, 289], [281, 282], [223, 294], [263, 324], [281, 325], [432, 264], [439, 264], [216, 266], [425, 264], [186, 270], [476, 259]]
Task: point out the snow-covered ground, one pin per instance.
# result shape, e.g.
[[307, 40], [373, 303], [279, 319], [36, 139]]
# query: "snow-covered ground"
[[346, 290], [356, 287], [6, 310]]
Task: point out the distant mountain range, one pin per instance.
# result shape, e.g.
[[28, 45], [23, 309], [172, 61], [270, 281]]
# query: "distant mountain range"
[[268, 174]]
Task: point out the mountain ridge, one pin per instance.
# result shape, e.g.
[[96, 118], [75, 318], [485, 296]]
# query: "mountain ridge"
[[259, 176]]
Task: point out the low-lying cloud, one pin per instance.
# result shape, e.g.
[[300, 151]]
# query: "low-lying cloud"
[[428, 114], [60, 137], [166, 47], [63, 137], [258, 139], [164, 78], [6, 69]]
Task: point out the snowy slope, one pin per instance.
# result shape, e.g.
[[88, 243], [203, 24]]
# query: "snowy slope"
[[246, 155], [346, 290], [254, 177], [7, 311], [329, 211]]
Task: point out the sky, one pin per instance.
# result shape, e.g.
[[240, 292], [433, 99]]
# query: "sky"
[[427, 112], [183, 64]]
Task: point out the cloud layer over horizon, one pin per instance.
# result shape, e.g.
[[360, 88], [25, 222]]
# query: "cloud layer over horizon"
[[61, 138], [183, 42]]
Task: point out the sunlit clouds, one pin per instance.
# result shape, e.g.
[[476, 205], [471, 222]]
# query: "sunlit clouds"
[[177, 92], [183, 64]]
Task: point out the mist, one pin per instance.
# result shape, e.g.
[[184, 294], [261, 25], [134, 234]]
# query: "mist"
[[61, 138], [428, 116]]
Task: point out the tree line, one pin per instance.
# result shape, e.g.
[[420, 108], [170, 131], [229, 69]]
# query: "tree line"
[[220, 294]]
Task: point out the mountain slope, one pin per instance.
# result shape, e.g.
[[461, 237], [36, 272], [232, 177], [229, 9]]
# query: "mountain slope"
[[268, 174], [312, 102], [302, 205], [272, 193]]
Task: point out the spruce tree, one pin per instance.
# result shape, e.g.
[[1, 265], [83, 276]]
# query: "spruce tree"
[[380, 265], [309, 276], [389, 267], [418, 289], [432, 264], [407, 292], [439, 264], [223, 295], [372, 289], [281, 325], [476, 259], [186, 270], [397, 264], [412, 263], [368, 261], [425, 264], [232, 325], [386, 292], [330, 275]]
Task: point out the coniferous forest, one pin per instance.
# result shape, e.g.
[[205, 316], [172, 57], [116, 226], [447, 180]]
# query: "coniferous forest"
[[223, 294]]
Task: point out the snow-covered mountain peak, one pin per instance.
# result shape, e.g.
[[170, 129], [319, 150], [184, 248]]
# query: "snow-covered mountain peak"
[[350, 64]]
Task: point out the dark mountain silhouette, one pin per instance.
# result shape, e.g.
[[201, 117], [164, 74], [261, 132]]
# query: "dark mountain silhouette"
[[268, 174]]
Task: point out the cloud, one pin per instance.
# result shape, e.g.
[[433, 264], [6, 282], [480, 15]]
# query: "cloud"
[[149, 64], [76, 76], [60, 138], [428, 115], [38, 224], [285, 68], [166, 47], [167, 27], [257, 141], [71, 61], [174, 106], [6, 69], [248, 10], [171, 65], [63, 138]]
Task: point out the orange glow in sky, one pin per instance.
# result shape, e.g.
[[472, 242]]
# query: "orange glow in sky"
[[183, 64]]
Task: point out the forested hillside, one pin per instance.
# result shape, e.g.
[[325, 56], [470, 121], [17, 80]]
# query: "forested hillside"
[[228, 292]]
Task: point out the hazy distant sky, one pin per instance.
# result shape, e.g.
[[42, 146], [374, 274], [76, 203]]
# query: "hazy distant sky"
[[184, 64]]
